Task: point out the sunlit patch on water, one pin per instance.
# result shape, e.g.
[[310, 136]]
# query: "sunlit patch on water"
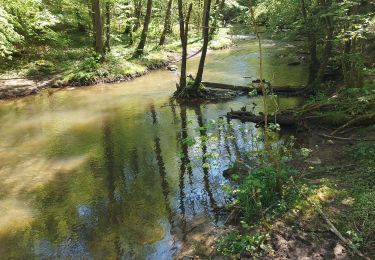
[[15, 214]]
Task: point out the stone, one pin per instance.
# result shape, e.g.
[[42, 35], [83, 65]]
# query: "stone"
[[172, 67]]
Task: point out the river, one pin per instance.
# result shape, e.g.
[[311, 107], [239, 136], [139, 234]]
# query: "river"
[[106, 172]]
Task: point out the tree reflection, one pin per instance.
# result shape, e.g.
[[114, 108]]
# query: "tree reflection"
[[203, 137], [161, 166]]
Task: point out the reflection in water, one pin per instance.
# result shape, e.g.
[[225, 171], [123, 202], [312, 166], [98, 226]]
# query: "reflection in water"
[[203, 137], [162, 170], [84, 177], [114, 209], [185, 165]]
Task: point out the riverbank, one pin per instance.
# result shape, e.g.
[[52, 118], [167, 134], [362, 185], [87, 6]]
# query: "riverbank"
[[324, 209], [86, 70], [332, 186]]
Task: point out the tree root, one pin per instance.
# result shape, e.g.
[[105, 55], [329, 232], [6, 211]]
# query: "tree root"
[[190, 92]]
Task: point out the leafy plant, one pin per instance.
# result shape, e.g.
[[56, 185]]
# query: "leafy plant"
[[235, 245], [259, 193]]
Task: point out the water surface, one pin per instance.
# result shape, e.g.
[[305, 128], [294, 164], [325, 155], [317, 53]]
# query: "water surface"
[[104, 172]]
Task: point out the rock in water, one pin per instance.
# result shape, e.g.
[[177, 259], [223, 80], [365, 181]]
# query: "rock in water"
[[172, 67]]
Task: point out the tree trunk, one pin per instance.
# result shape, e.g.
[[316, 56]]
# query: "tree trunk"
[[206, 31], [314, 63], [107, 45], [167, 23], [140, 49], [326, 52], [184, 31], [129, 25], [138, 14], [92, 24], [184, 47], [204, 15], [215, 19], [80, 26], [221, 8], [98, 29]]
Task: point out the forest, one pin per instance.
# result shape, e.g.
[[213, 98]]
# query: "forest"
[[187, 129]]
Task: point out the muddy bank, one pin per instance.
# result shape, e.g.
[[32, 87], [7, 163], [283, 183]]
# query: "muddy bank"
[[21, 87]]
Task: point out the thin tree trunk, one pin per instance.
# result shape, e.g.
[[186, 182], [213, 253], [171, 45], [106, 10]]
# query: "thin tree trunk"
[[167, 23], [206, 39], [98, 29], [140, 49], [215, 19], [267, 143], [138, 14], [129, 25], [184, 31], [314, 63], [80, 26], [107, 45], [205, 2], [92, 25], [326, 53], [221, 8], [184, 47]]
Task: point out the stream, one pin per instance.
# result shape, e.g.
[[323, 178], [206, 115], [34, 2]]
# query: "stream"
[[105, 172]]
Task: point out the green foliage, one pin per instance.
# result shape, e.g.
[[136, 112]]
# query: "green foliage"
[[259, 192], [235, 245], [40, 68], [221, 40], [8, 35], [279, 14], [90, 70]]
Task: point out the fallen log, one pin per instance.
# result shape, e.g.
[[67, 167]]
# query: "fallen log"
[[282, 90], [285, 118], [367, 119], [227, 86], [346, 138]]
